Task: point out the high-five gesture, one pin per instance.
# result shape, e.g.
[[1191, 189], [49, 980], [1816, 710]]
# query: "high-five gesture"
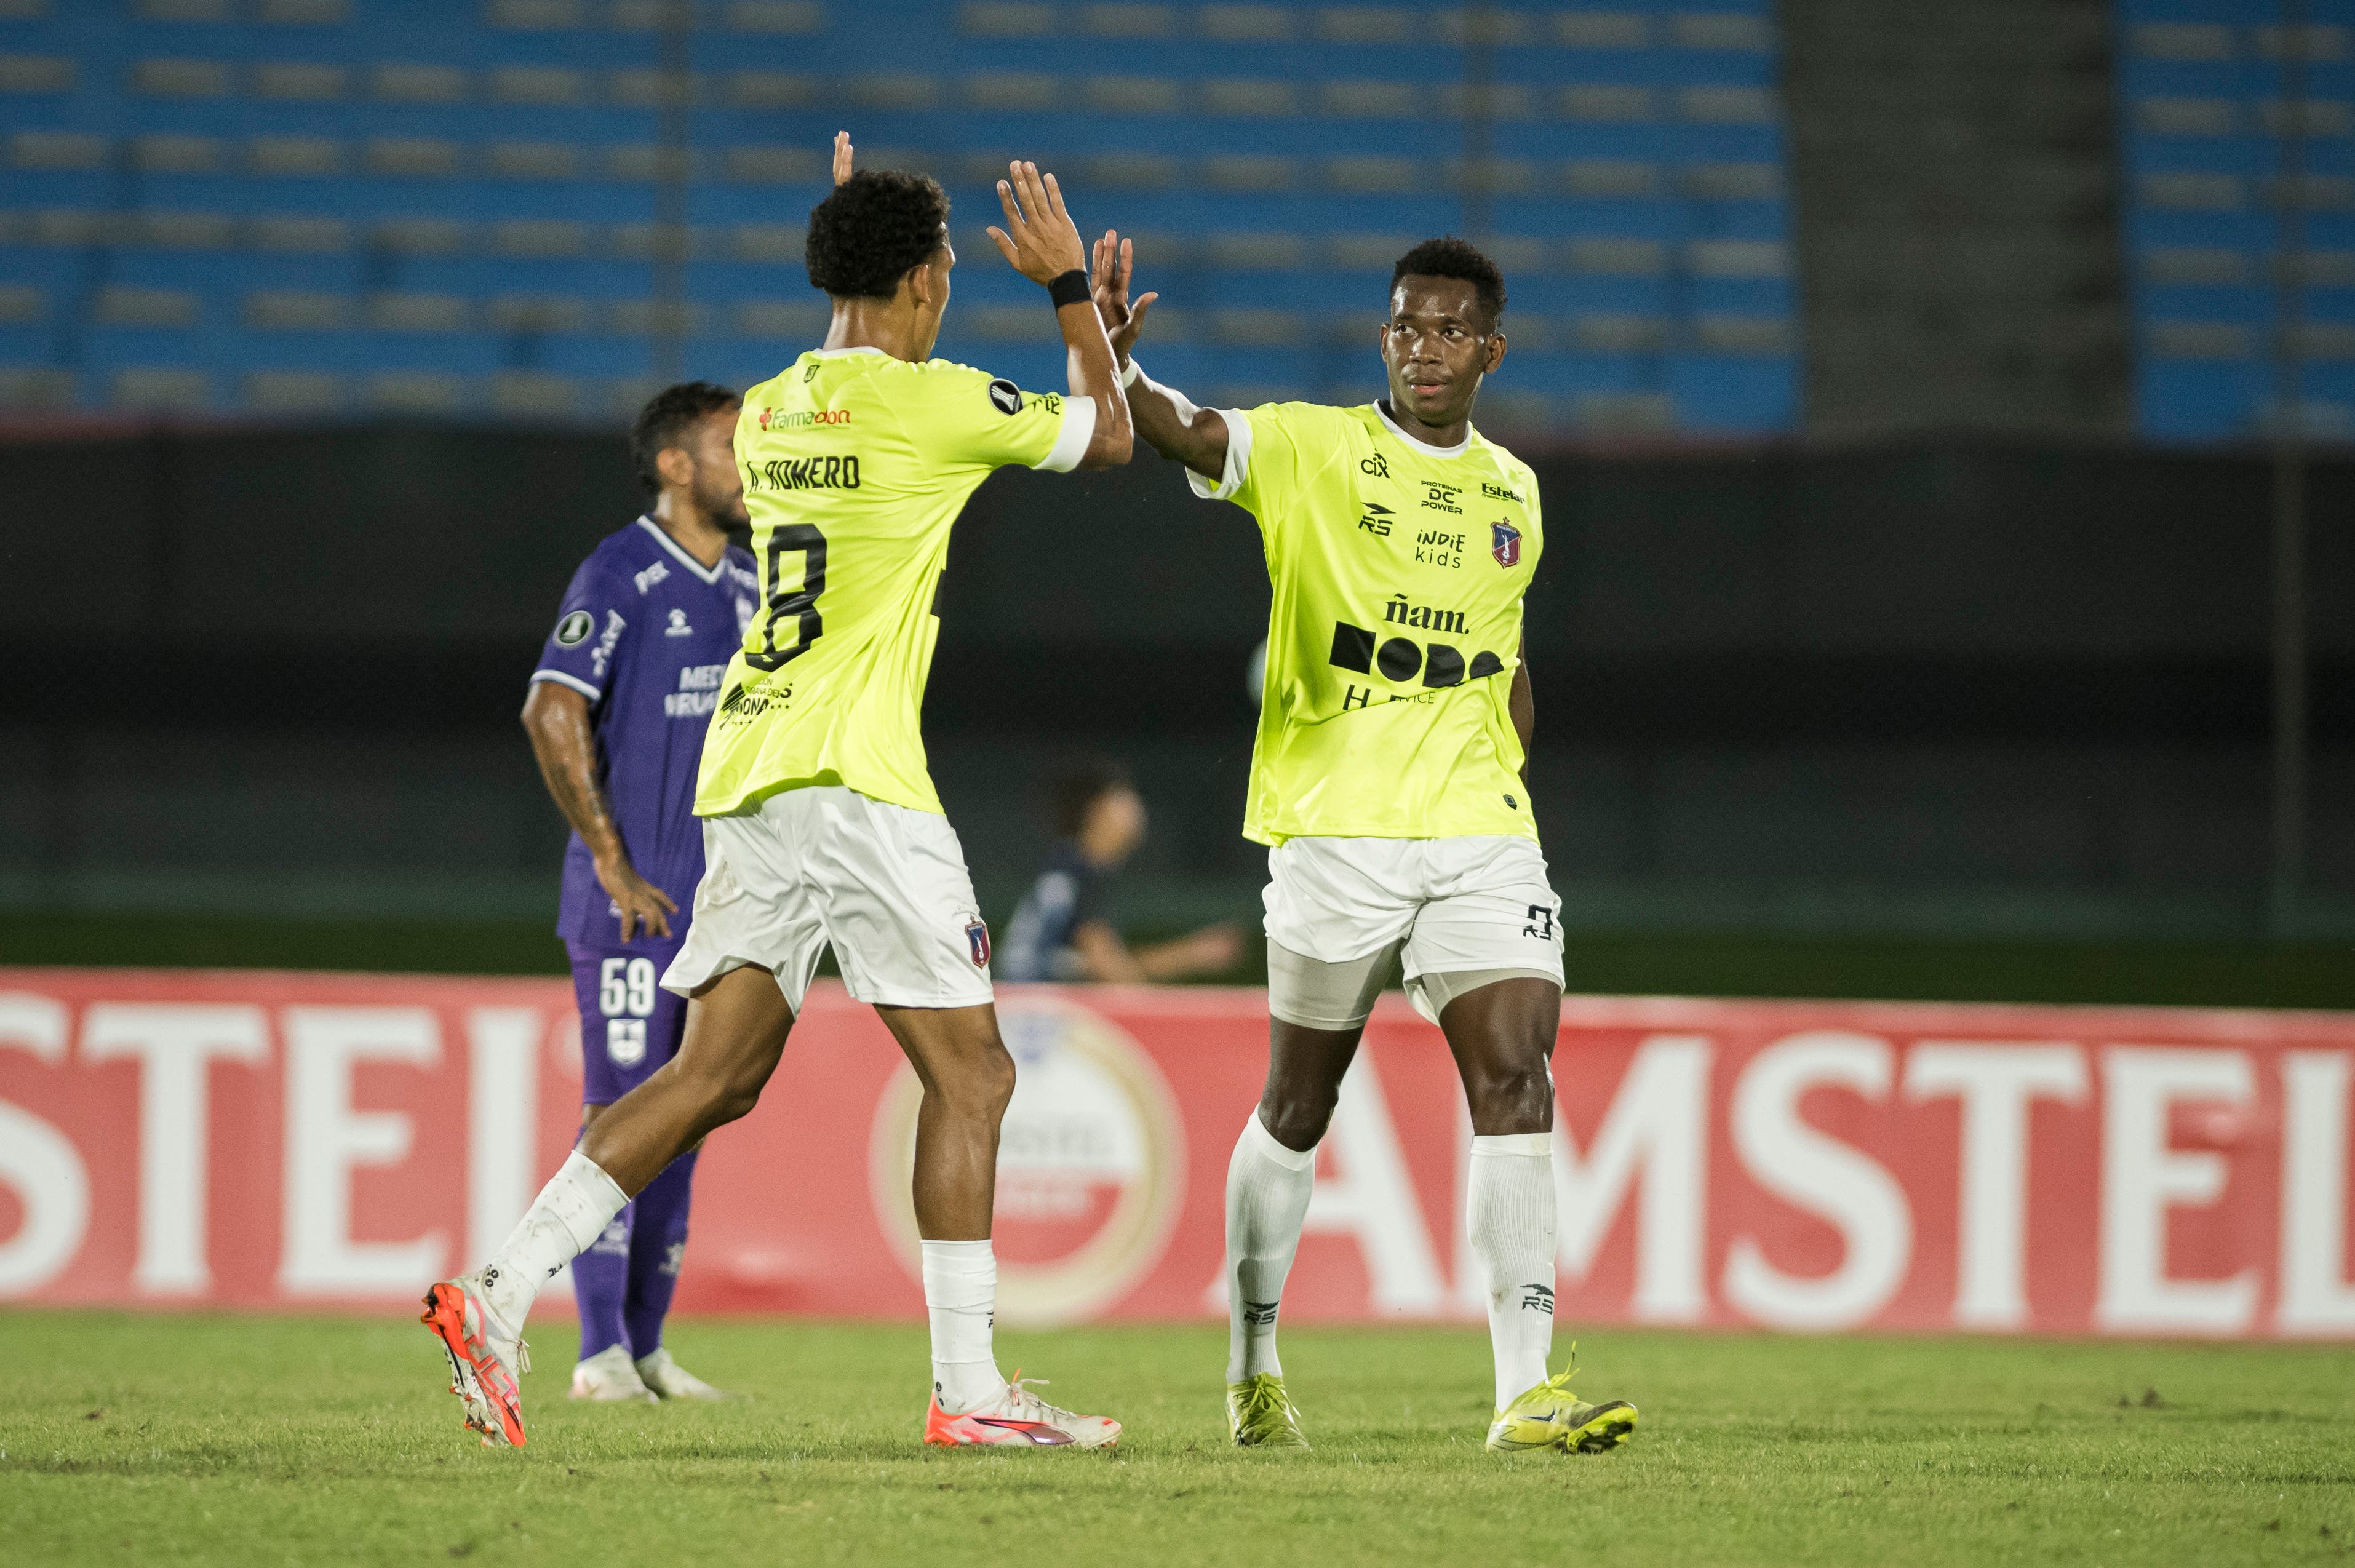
[[841, 157], [1040, 238], [1109, 282]]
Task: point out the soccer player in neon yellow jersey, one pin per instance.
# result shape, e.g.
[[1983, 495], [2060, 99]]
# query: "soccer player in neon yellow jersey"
[[1389, 782], [820, 822]]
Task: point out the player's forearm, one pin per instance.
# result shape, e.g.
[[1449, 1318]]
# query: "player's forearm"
[[567, 754], [1172, 426], [1094, 373], [1170, 960], [1104, 954]]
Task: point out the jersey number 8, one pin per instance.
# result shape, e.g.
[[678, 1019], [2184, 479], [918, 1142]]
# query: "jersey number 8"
[[801, 603], [626, 986]]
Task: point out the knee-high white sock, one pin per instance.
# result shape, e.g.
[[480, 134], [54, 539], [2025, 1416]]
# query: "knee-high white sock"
[[570, 1213], [1268, 1188], [961, 1298], [1512, 1236]]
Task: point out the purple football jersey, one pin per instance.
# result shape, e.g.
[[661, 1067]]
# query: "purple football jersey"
[[646, 633]]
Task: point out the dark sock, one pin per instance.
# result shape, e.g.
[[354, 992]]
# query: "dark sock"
[[658, 1240], [600, 1284]]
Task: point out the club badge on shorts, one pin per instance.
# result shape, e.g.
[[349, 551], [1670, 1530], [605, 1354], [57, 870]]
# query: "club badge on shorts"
[[977, 937], [1508, 546]]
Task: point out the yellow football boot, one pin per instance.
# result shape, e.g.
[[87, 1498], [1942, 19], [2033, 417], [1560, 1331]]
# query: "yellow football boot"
[[1550, 1416], [1261, 1415]]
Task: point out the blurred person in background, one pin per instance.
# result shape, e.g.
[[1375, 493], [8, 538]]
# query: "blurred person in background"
[[1066, 927], [617, 712]]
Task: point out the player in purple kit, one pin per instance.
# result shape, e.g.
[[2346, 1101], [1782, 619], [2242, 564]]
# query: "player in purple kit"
[[618, 707]]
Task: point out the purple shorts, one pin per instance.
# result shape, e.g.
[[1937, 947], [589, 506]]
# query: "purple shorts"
[[629, 1024]]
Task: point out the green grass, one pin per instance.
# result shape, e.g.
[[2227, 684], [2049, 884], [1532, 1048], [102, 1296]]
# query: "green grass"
[[2203, 974], [205, 1439]]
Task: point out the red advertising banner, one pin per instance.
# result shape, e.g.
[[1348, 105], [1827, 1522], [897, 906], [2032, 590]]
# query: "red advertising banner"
[[283, 1140]]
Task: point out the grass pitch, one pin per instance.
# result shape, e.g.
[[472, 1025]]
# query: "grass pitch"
[[252, 1441]]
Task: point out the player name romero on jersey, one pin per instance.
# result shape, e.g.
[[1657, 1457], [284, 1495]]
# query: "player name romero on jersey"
[[856, 465], [1398, 570]]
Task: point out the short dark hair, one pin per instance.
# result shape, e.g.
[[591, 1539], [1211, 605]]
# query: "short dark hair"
[[1448, 257], [1080, 787], [665, 417], [873, 230]]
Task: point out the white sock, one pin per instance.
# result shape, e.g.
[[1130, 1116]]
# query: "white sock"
[[570, 1213], [1512, 1236], [1268, 1188], [961, 1297]]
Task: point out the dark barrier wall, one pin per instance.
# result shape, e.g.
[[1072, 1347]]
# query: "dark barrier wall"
[[403, 575]]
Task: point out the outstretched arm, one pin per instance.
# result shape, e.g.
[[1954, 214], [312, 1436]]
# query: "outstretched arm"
[[1169, 423], [1108, 958], [1042, 243]]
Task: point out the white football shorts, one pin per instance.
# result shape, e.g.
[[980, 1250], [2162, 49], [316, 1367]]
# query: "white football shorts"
[[1445, 905], [885, 886]]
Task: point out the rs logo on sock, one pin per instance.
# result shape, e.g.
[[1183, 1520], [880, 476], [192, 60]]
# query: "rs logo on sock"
[[1537, 1298]]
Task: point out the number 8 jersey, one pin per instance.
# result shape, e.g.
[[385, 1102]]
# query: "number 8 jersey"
[[856, 465]]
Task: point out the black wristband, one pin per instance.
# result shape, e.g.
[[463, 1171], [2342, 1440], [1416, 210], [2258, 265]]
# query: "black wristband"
[[1069, 288]]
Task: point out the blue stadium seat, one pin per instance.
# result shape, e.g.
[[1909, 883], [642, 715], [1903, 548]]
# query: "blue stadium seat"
[[297, 206], [2208, 214]]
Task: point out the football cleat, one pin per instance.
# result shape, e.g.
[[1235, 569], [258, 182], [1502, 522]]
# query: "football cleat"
[[1020, 1417], [1260, 1414], [668, 1379], [1550, 1416], [610, 1377], [484, 1358]]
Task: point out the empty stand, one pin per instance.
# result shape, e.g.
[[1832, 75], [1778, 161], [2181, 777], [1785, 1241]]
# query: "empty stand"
[[466, 207], [2243, 258]]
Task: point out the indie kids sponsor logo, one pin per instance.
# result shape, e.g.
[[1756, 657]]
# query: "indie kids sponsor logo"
[[1090, 1164]]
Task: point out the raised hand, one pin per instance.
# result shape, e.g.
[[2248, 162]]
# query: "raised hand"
[[841, 157], [1040, 238], [1109, 282]]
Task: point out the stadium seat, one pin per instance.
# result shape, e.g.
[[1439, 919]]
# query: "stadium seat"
[[413, 205]]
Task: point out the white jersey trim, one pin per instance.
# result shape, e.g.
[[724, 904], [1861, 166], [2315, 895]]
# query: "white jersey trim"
[[708, 574], [574, 682], [1458, 450], [1071, 441], [1238, 454], [838, 353]]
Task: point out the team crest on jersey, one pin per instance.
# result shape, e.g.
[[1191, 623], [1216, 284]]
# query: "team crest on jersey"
[[1006, 397], [977, 937], [1506, 547], [574, 630]]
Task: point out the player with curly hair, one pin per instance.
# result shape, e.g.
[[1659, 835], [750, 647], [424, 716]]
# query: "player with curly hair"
[[1389, 780], [821, 824]]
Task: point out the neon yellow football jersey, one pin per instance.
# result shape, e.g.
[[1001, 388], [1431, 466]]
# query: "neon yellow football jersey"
[[856, 465], [1398, 570]]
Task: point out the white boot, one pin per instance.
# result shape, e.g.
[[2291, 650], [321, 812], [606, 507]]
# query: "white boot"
[[668, 1379], [610, 1377]]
